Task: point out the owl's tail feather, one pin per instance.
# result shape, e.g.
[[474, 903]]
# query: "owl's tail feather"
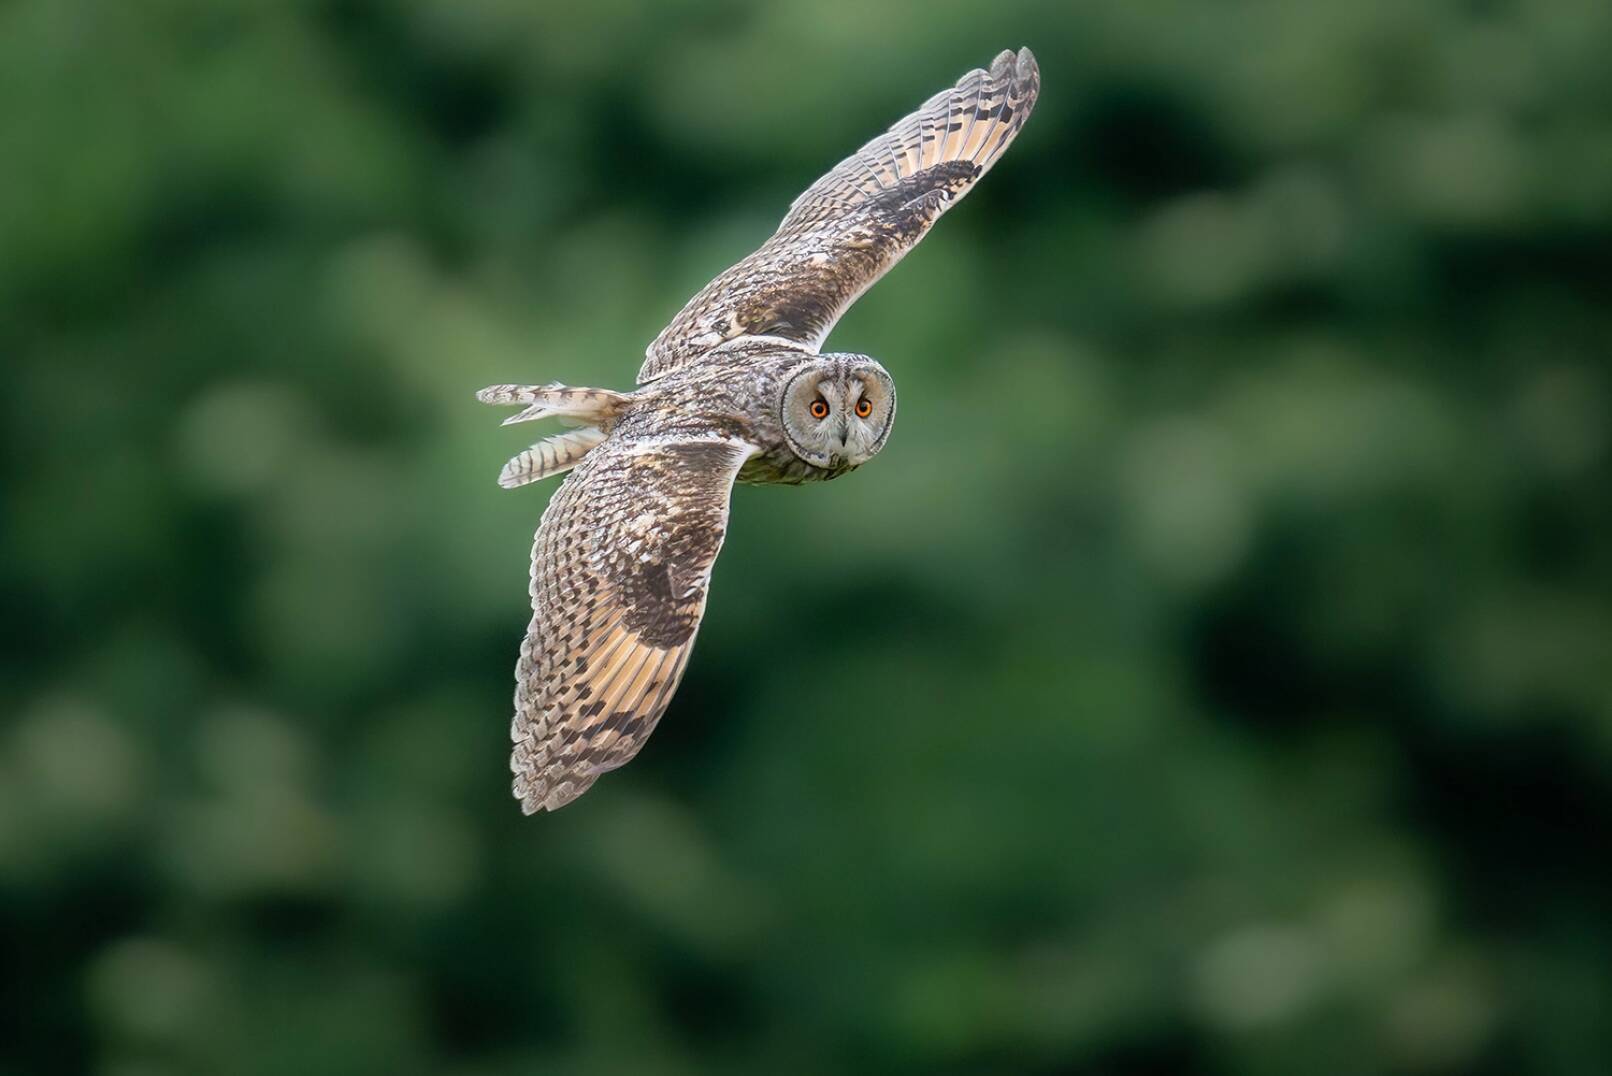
[[550, 456], [595, 411], [593, 406]]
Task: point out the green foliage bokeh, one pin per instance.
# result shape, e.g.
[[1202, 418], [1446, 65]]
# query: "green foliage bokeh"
[[1212, 675]]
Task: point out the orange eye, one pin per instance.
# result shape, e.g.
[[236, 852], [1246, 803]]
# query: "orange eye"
[[819, 408], [864, 407]]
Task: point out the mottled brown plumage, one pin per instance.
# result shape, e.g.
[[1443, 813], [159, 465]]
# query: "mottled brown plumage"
[[856, 222], [734, 389], [619, 574]]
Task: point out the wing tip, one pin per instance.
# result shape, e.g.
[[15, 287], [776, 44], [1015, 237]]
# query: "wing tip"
[[537, 792], [1025, 66], [1019, 69], [1016, 71]]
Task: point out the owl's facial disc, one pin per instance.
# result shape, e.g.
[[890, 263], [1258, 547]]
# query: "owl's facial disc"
[[838, 410]]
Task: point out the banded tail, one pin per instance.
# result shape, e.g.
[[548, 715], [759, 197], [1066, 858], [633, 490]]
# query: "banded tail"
[[595, 411]]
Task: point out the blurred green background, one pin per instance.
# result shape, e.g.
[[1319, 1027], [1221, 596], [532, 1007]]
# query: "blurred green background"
[[1213, 674]]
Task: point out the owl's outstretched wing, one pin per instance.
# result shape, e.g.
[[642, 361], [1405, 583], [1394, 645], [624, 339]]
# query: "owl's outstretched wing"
[[856, 222], [620, 567]]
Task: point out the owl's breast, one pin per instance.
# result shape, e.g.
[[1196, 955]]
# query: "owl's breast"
[[778, 466]]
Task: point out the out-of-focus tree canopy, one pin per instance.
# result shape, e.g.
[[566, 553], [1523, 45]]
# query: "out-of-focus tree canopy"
[[1213, 674]]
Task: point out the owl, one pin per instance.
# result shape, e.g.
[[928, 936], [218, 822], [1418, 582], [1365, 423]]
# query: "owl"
[[733, 390]]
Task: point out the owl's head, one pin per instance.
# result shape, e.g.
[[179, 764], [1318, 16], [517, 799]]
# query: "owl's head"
[[837, 410]]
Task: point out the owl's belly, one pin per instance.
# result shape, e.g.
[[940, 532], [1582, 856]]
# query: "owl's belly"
[[781, 467]]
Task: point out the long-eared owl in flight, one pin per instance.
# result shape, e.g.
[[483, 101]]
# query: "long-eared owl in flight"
[[733, 390]]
